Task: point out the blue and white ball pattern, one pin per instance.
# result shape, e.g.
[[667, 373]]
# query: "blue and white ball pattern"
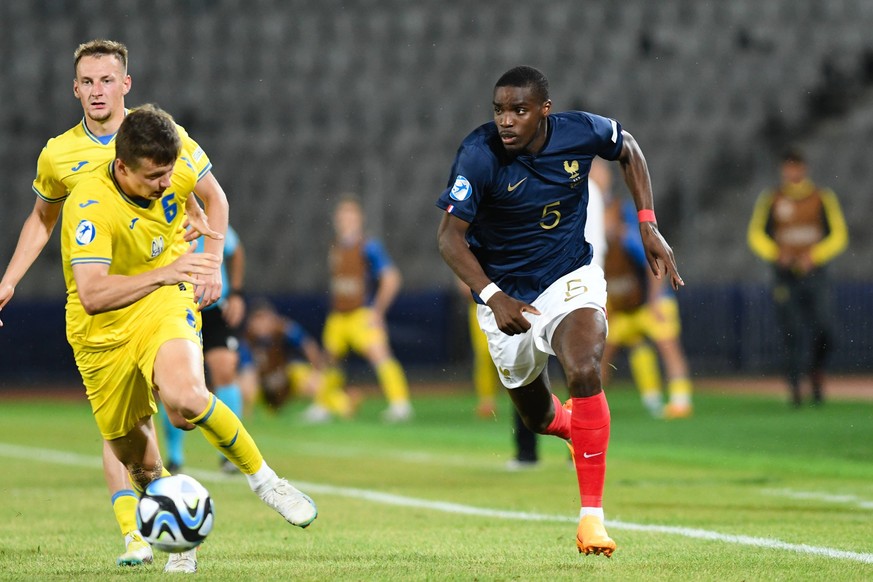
[[175, 513]]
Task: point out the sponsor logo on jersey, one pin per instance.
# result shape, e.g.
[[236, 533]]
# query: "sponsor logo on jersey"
[[87, 203], [133, 222], [512, 187], [157, 246], [461, 189], [79, 166], [85, 233]]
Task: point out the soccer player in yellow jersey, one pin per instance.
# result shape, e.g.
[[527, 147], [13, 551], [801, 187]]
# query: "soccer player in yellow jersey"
[[100, 84], [132, 316]]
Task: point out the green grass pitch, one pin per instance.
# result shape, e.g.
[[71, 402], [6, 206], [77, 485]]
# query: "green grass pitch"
[[747, 489]]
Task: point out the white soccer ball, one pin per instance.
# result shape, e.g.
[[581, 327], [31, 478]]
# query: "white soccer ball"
[[175, 513]]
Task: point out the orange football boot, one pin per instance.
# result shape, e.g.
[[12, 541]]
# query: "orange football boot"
[[591, 537]]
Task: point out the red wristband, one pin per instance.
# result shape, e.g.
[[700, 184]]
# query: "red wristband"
[[646, 215]]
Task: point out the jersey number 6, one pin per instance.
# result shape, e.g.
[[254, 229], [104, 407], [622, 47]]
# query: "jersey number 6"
[[170, 207]]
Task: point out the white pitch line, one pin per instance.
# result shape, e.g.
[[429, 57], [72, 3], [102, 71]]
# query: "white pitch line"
[[64, 458], [819, 496]]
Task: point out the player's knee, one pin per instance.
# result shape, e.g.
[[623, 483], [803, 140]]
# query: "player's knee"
[[583, 378], [189, 403]]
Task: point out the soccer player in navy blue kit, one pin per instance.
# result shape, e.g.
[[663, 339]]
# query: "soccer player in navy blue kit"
[[513, 231]]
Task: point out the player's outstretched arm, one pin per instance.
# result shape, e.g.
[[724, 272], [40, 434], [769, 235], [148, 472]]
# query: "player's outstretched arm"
[[100, 292], [636, 176], [35, 233], [210, 192], [508, 311]]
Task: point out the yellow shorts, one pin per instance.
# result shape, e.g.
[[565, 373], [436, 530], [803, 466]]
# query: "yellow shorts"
[[119, 380], [657, 322], [354, 330], [300, 377]]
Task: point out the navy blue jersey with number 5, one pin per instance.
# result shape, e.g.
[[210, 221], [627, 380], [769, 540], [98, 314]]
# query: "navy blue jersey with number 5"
[[527, 213]]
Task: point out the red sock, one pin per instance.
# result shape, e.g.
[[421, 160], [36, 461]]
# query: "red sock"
[[590, 435], [560, 425]]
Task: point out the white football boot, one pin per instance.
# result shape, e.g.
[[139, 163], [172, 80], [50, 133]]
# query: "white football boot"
[[182, 563], [294, 505]]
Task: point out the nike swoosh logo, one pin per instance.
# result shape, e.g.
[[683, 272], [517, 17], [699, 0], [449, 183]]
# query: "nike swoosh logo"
[[132, 222], [589, 455], [512, 187], [78, 166], [88, 203]]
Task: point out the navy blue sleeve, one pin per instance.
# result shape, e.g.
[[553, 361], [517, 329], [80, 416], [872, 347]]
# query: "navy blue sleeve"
[[607, 137], [470, 180]]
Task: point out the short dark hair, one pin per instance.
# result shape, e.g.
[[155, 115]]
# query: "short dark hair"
[[148, 133], [100, 47], [793, 155], [524, 76]]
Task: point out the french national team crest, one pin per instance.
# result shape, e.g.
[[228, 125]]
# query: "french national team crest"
[[157, 246], [572, 168]]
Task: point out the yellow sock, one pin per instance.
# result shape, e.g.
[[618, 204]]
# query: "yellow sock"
[[224, 431], [124, 506], [644, 369], [393, 381], [331, 395], [680, 391]]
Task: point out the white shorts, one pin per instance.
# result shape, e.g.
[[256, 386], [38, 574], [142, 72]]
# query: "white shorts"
[[522, 357]]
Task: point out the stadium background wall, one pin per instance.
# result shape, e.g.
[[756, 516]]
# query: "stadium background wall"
[[297, 102]]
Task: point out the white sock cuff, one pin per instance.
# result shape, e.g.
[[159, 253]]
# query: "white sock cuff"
[[261, 477], [598, 511]]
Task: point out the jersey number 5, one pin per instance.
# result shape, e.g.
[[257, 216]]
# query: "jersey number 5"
[[170, 207], [551, 209]]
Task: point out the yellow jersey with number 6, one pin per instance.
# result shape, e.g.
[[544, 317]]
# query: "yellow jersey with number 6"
[[102, 225]]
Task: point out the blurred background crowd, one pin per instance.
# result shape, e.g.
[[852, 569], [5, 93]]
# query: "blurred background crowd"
[[297, 103]]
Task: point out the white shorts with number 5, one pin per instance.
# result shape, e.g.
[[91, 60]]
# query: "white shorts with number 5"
[[521, 358]]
